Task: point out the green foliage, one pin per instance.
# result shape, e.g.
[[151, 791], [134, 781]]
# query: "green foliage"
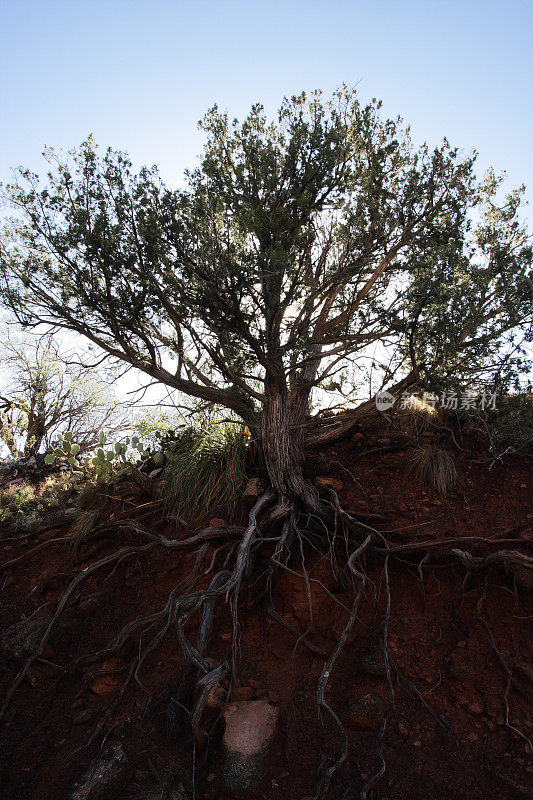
[[434, 467], [512, 423], [168, 781], [297, 244], [152, 425], [206, 470]]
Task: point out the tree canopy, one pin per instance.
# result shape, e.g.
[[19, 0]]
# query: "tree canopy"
[[294, 246]]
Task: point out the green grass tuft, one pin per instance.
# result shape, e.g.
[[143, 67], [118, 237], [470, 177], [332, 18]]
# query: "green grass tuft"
[[206, 470]]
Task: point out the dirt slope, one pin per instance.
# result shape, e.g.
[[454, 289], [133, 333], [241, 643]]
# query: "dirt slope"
[[445, 734]]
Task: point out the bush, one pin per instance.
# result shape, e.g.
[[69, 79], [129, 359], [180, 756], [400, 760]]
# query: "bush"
[[206, 469]]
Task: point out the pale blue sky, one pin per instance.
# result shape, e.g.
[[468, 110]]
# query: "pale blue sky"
[[140, 74]]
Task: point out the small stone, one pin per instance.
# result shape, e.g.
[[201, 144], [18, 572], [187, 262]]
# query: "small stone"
[[273, 697], [106, 775], [472, 737], [217, 523], [403, 730], [366, 714], [211, 777], [417, 743]]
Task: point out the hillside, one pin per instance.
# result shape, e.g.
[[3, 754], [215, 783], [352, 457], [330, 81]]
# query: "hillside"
[[456, 697]]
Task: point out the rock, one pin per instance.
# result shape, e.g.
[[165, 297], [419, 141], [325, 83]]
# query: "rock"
[[217, 523], [250, 728], [253, 491], [366, 714], [524, 671], [83, 717], [403, 730], [358, 437], [105, 776], [330, 483]]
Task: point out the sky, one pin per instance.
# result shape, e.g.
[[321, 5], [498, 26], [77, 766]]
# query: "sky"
[[139, 75]]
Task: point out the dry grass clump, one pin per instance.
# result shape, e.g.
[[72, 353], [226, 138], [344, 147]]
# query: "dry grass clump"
[[434, 467]]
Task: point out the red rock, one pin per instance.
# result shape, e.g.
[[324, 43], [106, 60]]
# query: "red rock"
[[217, 523], [403, 730], [250, 726]]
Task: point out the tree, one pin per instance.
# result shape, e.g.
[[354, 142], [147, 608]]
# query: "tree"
[[45, 396], [295, 246]]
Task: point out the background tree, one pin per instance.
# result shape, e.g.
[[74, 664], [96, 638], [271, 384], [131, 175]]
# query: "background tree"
[[296, 245], [44, 396]]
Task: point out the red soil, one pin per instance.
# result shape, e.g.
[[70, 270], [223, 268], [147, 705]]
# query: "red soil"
[[443, 653]]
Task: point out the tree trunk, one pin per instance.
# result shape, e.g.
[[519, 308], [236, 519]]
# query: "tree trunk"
[[283, 443]]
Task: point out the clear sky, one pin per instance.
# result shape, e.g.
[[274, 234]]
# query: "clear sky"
[[139, 75]]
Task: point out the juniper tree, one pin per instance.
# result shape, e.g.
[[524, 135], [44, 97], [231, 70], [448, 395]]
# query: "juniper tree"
[[295, 245]]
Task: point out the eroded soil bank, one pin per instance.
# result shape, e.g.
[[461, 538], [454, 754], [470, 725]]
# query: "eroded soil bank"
[[446, 733]]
